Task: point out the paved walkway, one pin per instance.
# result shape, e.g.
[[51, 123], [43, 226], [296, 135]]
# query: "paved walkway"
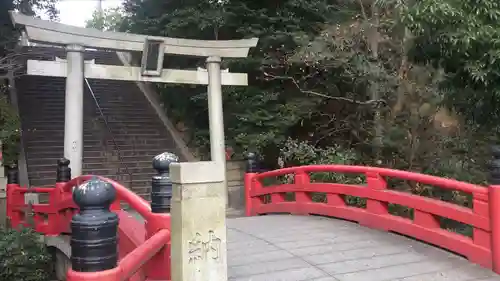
[[298, 248]]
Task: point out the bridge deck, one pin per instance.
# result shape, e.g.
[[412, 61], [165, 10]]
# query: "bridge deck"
[[298, 248]]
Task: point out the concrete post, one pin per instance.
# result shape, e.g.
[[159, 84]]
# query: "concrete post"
[[73, 119], [198, 223]]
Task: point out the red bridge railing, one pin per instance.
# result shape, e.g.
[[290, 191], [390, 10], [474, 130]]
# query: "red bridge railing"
[[74, 207], [484, 217]]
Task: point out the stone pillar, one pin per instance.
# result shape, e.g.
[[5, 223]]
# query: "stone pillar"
[[73, 118], [216, 116], [199, 251], [215, 111], [3, 192]]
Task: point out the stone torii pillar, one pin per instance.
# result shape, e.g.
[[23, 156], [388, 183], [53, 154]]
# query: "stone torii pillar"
[[73, 115], [215, 111]]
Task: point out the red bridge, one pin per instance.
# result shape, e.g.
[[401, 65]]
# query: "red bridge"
[[346, 242]]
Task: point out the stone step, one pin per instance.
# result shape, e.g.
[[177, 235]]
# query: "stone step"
[[89, 133], [49, 117], [143, 183], [140, 163], [58, 146], [58, 100], [56, 96], [59, 123], [99, 135], [98, 154], [138, 180], [115, 120], [118, 109], [46, 170], [130, 160], [97, 125], [89, 108], [120, 139]]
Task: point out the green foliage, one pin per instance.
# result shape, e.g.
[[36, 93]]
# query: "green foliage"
[[257, 116], [299, 153], [112, 19], [23, 256], [337, 78], [9, 119], [462, 37], [9, 131]]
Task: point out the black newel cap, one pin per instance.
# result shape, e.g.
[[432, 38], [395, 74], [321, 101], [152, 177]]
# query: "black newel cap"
[[13, 174], [495, 165], [63, 170], [252, 163], [95, 228], [161, 185]]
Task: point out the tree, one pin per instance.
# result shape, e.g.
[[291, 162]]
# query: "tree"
[[462, 38], [342, 74], [10, 53], [256, 116], [112, 19]]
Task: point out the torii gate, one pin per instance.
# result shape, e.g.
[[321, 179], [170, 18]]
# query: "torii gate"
[[153, 48]]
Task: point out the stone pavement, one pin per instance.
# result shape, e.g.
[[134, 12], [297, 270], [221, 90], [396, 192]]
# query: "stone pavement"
[[299, 248]]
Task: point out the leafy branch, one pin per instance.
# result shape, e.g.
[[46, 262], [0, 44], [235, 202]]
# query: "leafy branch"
[[270, 77]]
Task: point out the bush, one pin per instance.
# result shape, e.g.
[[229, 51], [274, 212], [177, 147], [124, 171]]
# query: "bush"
[[298, 153], [9, 130], [23, 257]]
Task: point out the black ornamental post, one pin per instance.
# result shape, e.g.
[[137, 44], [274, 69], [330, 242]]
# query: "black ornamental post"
[[95, 228], [252, 163], [63, 170], [495, 165], [161, 185], [13, 174]]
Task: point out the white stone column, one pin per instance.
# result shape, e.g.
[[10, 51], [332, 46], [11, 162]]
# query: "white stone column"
[[199, 245], [215, 111], [216, 116], [73, 118]]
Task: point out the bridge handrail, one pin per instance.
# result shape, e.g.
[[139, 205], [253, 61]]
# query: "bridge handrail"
[[422, 225], [427, 179], [152, 251], [143, 245], [123, 194], [136, 259], [54, 217]]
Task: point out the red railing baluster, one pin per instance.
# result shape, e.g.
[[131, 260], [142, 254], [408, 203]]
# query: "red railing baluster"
[[425, 219], [248, 182], [302, 195], [251, 184], [376, 183], [481, 236], [494, 204]]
